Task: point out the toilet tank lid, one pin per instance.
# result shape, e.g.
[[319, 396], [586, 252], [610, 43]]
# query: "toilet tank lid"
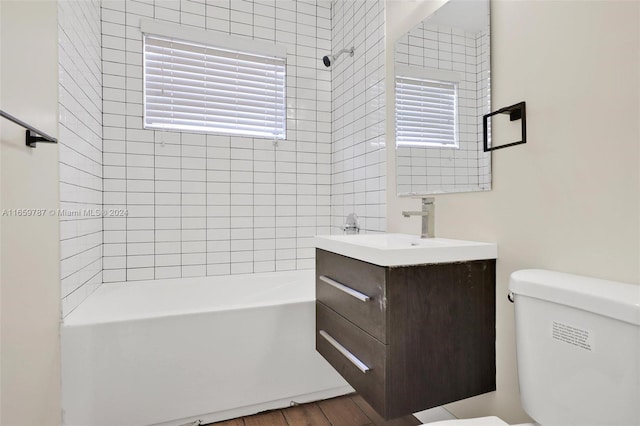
[[609, 298]]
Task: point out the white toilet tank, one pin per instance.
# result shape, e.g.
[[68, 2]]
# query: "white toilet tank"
[[578, 348]]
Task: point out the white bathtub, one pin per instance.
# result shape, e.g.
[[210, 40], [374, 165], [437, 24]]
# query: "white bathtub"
[[209, 349]]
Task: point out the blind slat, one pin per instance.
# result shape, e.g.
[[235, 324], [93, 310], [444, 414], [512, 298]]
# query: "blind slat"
[[200, 70], [193, 87], [158, 103], [168, 82], [256, 126], [251, 97], [213, 115]]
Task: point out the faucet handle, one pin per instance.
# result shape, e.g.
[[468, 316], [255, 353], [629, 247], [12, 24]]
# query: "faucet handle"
[[428, 200]]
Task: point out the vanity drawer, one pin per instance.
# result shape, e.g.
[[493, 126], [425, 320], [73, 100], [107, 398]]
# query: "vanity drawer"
[[354, 289], [333, 330]]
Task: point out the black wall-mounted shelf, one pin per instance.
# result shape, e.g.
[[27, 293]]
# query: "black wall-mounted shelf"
[[516, 112], [33, 135]]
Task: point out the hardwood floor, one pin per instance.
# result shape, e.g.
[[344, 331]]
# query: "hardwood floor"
[[348, 410]]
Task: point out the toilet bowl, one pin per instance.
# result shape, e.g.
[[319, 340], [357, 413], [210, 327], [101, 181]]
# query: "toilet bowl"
[[578, 345]]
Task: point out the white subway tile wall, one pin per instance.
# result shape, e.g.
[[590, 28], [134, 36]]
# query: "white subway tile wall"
[[358, 156], [483, 102], [80, 136], [209, 204], [444, 170]]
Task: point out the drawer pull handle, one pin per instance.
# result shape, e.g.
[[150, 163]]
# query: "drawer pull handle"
[[360, 296], [351, 357]]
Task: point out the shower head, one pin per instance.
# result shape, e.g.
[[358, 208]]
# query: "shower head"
[[328, 60]]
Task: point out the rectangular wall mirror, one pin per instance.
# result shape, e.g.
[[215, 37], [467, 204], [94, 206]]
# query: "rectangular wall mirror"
[[442, 90]]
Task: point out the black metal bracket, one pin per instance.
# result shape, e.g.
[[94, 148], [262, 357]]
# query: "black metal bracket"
[[516, 112], [33, 135]]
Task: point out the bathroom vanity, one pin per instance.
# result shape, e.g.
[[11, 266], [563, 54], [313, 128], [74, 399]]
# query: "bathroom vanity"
[[408, 322]]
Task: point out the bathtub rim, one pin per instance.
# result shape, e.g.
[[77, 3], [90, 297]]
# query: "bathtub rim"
[[82, 315]]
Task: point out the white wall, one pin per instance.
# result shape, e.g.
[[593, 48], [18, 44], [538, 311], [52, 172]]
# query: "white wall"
[[29, 246], [568, 200]]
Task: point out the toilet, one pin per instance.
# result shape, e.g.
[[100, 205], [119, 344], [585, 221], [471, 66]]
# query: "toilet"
[[578, 350]]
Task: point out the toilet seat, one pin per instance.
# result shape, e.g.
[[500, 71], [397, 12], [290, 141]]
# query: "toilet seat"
[[480, 421]]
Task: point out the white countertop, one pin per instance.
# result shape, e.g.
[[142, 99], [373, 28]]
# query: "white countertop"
[[403, 249]]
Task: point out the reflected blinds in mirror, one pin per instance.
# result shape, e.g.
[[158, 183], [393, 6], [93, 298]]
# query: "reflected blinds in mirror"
[[426, 113]]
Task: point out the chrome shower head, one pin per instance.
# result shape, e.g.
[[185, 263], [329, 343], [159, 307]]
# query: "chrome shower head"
[[328, 60]]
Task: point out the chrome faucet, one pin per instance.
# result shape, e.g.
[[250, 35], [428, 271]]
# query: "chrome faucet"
[[352, 225], [428, 217]]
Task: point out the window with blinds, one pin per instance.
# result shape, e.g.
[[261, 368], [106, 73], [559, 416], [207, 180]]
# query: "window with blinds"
[[426, 113], [194, 87]]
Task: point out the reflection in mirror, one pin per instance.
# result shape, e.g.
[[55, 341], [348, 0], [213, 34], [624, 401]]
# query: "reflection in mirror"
[[442, 76]]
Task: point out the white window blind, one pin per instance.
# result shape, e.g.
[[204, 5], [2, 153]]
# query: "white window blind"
[[194, 87], [426, 113]]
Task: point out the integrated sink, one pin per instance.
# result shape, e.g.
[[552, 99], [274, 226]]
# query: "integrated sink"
[[403, 249]]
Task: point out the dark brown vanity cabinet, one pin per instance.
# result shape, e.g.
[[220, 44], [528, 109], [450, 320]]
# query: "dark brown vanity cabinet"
[[407, 338]]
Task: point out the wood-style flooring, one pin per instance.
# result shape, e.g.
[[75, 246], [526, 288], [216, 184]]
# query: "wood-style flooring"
[[349, 410]]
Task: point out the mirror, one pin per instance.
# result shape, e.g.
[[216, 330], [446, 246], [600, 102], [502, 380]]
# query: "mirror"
[[442, 83]]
